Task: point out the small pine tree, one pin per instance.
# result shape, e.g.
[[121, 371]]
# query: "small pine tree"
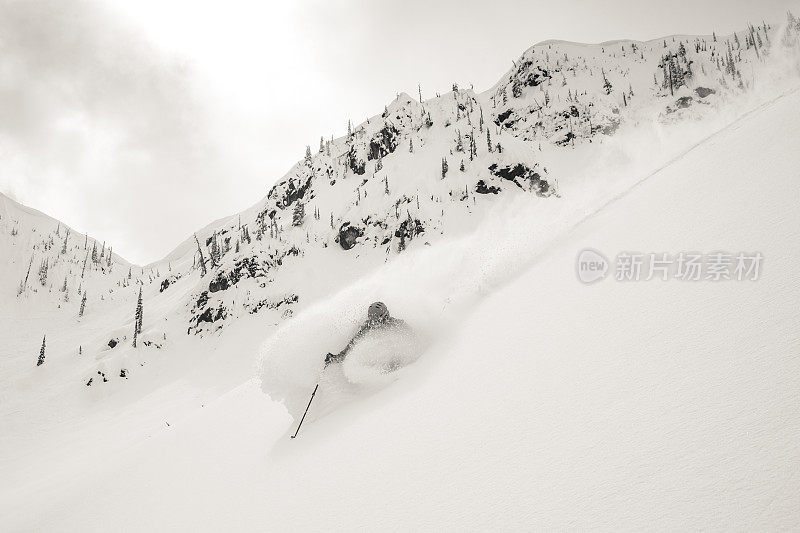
[[489, 139], [83, 305], [40, 362], [137, 318], [215, 253], [444, 167], [308, 155], [43, 268], [299, 214], [606, 84], [139, 312]]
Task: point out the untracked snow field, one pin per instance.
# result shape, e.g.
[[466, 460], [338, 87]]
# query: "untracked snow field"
[[547, 404]]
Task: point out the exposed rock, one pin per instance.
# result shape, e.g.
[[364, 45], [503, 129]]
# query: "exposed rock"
[[503, 117], [356, 164], [384, 143], [289, 191], [112, 343], [202, 300], [247, 267], [211, 315], [168, 281], [521, 172], [481, 188], [702, 92], [348, 235], [274, 304], [568, 137], [536, 76], [407, 230], [683, 102]]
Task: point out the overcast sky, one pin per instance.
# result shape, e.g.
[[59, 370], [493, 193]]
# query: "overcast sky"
[[140, 122]]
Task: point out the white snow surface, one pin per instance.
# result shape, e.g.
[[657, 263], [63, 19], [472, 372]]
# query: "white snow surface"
[[526, 400], [546, 404]]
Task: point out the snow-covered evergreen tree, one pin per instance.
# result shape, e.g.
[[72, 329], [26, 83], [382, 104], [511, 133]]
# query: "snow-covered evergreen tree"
[[40, 361], [137, 318], [299, 214]]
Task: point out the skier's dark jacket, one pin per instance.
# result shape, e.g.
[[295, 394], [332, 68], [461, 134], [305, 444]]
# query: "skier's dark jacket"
[[385, 322]]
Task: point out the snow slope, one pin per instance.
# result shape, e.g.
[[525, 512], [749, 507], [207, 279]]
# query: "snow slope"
[[545, 403]]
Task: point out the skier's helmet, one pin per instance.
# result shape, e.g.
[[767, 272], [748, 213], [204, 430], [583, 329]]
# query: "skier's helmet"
[[378, 311]]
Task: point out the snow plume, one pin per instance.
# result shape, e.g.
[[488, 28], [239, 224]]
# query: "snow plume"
[[431, 288]]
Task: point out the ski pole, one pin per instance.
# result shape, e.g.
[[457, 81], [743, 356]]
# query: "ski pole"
[[304, 414]]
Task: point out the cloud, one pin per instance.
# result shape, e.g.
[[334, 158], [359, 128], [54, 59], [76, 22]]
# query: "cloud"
[[101, 129]]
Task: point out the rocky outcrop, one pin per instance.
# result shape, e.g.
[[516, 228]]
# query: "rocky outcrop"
[[287, 192], [348, 235], [407, 230], [702, 92], [271, 303], [354, 161], [482, 188], [384, 143], [247, 267]]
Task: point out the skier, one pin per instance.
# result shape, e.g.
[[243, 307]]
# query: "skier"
[[378, 318]]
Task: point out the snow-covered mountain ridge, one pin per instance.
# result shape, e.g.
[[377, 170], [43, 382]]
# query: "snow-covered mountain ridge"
[[417, 175], [549, 404], [421, 170]]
